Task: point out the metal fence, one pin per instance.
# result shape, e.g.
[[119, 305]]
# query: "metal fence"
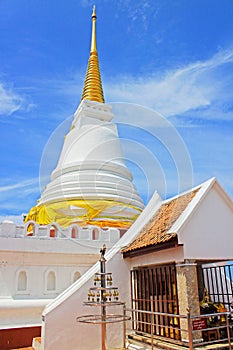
[[218, 281], [195, 330]]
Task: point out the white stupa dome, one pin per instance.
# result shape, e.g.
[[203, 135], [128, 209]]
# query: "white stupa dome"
[[91, 183]]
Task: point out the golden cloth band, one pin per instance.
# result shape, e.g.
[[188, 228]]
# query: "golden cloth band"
[[104, 213]]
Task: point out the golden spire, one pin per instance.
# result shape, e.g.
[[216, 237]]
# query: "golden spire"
[[92, 89]]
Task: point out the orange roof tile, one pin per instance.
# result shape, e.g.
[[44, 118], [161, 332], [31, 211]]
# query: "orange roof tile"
[[28, 348], [156, 231], [38, 339]]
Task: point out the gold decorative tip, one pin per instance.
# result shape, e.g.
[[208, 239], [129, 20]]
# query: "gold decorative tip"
[[92, 89], [93, 36], [94, 12]]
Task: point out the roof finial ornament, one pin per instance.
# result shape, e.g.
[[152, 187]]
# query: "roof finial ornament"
[[93, 36], [92, 89], [94, 11]]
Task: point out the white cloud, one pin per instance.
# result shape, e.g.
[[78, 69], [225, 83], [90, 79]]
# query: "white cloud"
[[203, 86], [10, 102], [188, 88], [19, 196], [86, 3], [29, 183]]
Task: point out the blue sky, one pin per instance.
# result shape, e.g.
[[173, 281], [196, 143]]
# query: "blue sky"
[[171, 56]]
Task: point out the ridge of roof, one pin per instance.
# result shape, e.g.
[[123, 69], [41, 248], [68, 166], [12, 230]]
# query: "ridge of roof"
[[205, 183], [204, 188]]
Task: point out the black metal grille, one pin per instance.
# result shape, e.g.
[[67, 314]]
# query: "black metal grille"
[[154, 289], [218, 280]]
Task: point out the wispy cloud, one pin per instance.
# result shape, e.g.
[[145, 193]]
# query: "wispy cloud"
[[203, 87], [86, 3], [18, 197], [9, 100], [12, 101], [194, 87], [20, 185], [138, 13]]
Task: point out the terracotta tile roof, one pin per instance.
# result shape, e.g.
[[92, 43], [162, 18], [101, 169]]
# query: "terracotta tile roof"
[[28, 348], [155, 232], [36, 340]]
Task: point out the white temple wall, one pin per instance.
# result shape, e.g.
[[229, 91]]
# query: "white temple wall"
[[37, 279], [29, 280], [35, 269], [62, 320], [208, 234], [157, 258], [71, 239], [21, 313]]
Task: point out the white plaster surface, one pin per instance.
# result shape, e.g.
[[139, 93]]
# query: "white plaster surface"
[[38, 255], [208, 234]]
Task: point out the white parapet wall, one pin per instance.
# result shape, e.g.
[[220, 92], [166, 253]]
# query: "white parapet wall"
[[21, 313], [36, 268], [90, 233]]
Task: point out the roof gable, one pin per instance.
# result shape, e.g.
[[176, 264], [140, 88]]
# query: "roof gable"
[[156, 232], [193, 219]]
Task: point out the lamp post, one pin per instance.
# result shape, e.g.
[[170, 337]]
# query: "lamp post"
[[103, 288], [103, 294]]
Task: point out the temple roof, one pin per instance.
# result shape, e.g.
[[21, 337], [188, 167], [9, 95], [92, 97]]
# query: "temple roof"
[[156, 232], [92, 89]]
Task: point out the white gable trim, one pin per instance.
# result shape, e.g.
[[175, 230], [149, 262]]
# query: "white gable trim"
[[192, 206], [223, 194]]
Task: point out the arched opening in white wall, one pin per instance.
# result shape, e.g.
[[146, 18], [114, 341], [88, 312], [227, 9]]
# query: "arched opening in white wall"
[[95, 234], [51, 281], [22, 281], [30, 228], [74, 232], [53, 231], [76, 276]]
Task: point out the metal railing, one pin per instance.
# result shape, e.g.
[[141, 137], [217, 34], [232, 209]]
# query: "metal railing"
[[216, 329], [187, 330]]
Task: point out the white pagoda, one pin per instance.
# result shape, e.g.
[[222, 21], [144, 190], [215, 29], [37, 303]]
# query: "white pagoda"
[[91, 184]]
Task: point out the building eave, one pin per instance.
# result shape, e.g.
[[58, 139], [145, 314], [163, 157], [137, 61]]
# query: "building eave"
[[173, 243]]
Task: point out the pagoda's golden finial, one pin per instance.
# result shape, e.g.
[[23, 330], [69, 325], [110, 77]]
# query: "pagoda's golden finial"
[[92, 89], [93, 36]]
